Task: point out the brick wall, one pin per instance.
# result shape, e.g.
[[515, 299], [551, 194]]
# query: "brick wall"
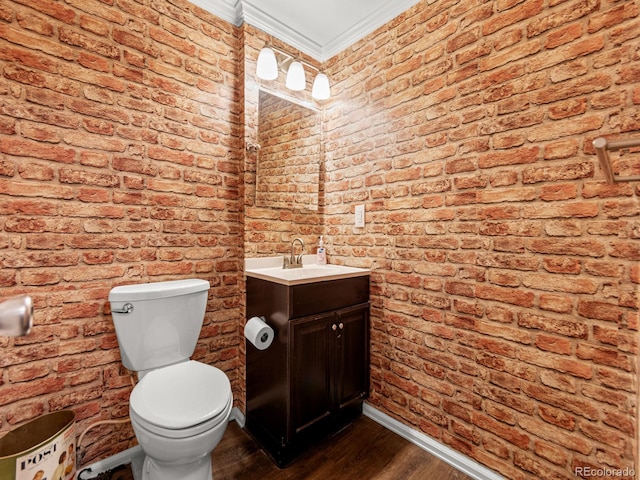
[[505, 271], [119, 163]]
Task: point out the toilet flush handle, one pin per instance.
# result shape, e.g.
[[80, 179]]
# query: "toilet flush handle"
[[126, 308]]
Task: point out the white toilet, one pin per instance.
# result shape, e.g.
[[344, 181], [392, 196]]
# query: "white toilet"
[[180, 408]]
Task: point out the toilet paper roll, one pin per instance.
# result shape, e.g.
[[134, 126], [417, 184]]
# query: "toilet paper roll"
[[258, 333]]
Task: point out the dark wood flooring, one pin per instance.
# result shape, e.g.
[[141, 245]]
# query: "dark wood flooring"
[[364, 450]]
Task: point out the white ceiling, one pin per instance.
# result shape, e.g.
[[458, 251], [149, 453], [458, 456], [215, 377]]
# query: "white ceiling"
[[319, 28]]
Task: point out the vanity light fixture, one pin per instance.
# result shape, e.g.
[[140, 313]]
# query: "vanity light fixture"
[[296, 79], [267, 69], [321, 89]]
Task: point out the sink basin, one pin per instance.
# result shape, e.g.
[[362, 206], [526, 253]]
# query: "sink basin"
[[309, 273]]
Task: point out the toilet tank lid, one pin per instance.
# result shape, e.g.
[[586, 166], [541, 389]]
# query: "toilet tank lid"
[[150, 291]]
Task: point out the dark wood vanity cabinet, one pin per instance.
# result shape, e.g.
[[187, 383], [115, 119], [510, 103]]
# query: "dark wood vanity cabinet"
[[329, 365], [314, 377]]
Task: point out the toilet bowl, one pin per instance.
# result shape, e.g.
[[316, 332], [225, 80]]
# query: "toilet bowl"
[[179, 414], [180, 407]]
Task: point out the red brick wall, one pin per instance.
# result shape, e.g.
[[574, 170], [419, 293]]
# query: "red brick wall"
[[119, 163], [505, 285]]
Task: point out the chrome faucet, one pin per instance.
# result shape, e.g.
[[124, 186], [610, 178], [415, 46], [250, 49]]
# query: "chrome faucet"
[[294, 261]]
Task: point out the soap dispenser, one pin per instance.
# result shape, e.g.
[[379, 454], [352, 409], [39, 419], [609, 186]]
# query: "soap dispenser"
[[321, 255]]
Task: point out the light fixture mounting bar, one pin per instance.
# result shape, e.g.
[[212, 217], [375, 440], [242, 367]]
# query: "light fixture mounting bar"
[[294, 58]]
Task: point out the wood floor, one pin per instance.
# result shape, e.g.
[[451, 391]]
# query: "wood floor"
[[363, 451]]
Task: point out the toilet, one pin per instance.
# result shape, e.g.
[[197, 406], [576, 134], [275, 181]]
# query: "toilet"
[[179, 408]]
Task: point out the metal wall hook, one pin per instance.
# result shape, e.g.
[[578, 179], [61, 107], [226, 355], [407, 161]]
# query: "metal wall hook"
[[16, 316]]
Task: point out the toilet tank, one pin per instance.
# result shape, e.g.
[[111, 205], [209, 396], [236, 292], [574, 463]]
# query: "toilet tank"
[[163, 322]]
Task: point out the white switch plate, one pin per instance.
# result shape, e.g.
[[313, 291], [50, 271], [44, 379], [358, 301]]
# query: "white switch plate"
[[359, 216]]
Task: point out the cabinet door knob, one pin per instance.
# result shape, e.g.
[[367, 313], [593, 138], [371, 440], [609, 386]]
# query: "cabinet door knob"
[[341, 325], [334, 327]]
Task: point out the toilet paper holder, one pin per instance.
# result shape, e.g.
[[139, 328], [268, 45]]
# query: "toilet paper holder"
[[265, 335], [259, 333]]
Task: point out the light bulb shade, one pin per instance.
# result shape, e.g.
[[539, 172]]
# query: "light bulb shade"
[[321, 90], [295, 77], [267, 68]]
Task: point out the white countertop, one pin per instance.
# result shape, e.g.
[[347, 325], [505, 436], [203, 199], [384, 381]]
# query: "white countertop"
[[270, 269]]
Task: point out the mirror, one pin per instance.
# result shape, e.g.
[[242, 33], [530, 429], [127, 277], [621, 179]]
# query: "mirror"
[[288, 162]]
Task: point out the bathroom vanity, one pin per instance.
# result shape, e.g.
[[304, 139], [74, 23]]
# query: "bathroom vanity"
[[313, 378]]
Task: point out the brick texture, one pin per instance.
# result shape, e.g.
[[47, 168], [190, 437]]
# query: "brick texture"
[[505, 277], [120, 162], [504, 286]]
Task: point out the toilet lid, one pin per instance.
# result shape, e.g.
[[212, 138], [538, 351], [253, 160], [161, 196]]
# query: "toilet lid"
[[182, 395]]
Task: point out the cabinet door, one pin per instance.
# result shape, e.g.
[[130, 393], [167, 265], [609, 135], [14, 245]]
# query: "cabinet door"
[[310, 365], [352, 356]]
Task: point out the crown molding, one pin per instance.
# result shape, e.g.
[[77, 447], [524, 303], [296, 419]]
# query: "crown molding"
[[260, 19], [229, 10], [239, 11], [367, 25]]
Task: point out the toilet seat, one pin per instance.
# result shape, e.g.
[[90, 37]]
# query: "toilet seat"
[[184, 433], [181, 400]]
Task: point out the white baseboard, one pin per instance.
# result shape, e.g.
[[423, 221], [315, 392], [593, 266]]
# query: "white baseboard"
[[237, 416], [456, 459]]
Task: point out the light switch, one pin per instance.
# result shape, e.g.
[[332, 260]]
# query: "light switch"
[[359, 216]]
